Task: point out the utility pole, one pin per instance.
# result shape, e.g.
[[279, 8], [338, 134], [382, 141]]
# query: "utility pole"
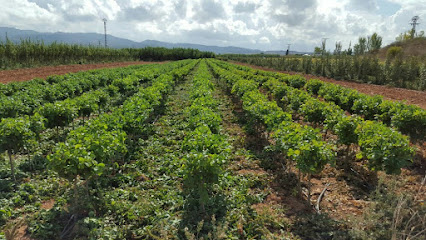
[[414, 23], [324, 42], [288, 49], [105, 20]]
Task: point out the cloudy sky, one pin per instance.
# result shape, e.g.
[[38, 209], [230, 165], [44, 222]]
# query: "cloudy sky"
[[258, 24]]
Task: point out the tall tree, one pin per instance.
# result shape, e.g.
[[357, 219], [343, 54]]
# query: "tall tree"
[[361, 46], [317, 50], [323, 46], [374, 42], [349, 51], [338, 49]]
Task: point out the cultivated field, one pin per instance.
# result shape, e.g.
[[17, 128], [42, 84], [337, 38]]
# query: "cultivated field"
[[205, 149], [25, 74]]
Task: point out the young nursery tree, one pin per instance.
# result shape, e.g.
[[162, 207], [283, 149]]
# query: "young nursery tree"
[[14, 134], [88, 151]]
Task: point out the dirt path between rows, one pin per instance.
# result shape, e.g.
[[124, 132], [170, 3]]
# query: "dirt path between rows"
[[25, 74], [391, 93]]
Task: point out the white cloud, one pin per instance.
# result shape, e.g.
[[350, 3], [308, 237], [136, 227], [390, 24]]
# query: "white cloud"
[[262, 24], [264, 40], [362, 5]]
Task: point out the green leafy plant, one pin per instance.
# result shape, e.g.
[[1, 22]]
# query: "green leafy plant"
[[314, 85], [200, 115], [14, 134], [296, 81], [86, 105], [315, 111], [204, 162], [58, 114], [394, 52], [410, 120], [367, 106], [88, 151], [242, 86], [207, 151], [277, 88], [295, 98], [345, 129], [384, 148]]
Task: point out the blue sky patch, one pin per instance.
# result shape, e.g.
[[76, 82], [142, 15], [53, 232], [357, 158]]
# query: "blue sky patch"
[[387, 8]]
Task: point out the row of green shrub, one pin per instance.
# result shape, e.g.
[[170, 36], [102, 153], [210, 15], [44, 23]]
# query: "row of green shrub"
[[28, 53], [89, 151], [385, 148], [95, 148], [408, 119], [301, 144], [207, 149], [21, 98], [408, 73]]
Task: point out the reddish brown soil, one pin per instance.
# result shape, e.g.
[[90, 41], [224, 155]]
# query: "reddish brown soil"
[[391, 93], [47, 205], [22, 233], [26, 74]]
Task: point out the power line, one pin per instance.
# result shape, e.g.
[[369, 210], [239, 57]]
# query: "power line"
[[414, 23], [105, 31]]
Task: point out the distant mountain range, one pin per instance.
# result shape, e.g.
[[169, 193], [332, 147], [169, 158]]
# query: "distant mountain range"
[[95, 39]]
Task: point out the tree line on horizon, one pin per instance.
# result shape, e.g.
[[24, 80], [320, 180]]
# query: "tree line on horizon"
[[29, 53], [360, 64], [369, 44]]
